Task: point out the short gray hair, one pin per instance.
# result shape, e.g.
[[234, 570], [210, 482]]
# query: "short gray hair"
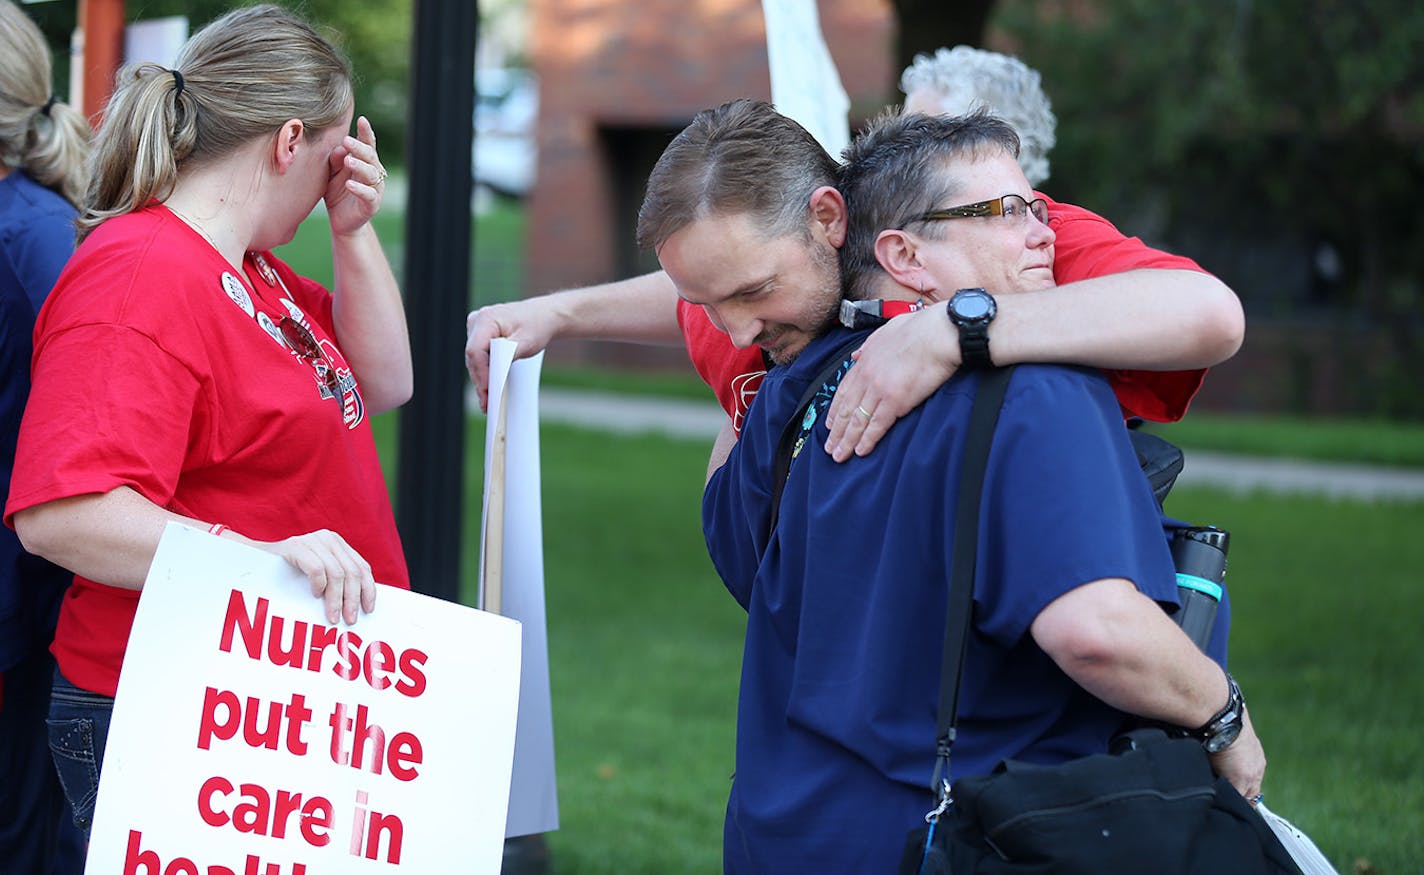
[[1002, 84], [894, 172]]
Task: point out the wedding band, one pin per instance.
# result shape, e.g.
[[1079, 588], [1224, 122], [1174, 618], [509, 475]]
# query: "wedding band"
[[381, 177], [862, 411]]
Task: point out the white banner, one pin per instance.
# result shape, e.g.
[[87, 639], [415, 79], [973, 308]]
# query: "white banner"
[[251, 736], [805, 85], [512, 496]]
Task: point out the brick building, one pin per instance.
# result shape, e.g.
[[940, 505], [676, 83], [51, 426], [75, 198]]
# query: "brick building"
[[619, 78]]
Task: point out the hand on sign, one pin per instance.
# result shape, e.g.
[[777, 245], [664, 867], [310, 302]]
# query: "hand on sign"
[[338, 574]]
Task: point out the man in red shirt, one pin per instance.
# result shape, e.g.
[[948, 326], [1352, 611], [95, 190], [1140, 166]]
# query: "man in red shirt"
[[1152, 320]]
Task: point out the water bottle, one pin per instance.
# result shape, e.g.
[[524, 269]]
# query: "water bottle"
[[1200, 556]]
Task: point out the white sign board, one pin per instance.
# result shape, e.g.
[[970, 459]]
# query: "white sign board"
[[804, 83], [249, 735], [158, 40], [533, 794]]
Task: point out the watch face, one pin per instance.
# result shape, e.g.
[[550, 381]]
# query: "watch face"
[[971, 306], [1223, 739]]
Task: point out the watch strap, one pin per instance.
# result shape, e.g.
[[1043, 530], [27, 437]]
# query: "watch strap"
[[1232, 714], [974, 346], [973, 329]]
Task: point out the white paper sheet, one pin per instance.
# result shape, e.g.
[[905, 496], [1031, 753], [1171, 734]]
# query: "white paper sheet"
[[533, 794], [805, 85], [1302, 850]]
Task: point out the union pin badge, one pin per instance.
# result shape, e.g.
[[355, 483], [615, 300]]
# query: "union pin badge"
[[268, 274], [238, 293]]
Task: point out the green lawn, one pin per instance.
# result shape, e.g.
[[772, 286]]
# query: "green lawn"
[[645, 647], [1325, 642], [1336, 440], [645, 650]]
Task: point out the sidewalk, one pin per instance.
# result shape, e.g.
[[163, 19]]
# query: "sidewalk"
[[628, 414]]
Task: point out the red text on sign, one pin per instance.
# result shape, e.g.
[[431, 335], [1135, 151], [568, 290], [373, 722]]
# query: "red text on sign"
[[305, 645], [352, 738], [260, 813], [140, 862], [224, 713], [368, 829]]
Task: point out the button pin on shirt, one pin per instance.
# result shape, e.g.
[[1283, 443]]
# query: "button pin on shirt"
[[305, 345]]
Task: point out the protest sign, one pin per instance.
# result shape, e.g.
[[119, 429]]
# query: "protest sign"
[[513, 429], [804, 83], [251, 737]]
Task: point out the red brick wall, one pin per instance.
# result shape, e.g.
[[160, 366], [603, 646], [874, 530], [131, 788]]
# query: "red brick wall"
[[653, 64]]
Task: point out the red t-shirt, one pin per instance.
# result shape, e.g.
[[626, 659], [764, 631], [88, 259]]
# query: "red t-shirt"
[[159, 368], [1087, 246]]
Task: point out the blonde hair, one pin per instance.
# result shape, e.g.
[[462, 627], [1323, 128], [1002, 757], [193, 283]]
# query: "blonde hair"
[[242, 76], [47, 139]]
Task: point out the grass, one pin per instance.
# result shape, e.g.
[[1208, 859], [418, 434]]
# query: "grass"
[[655, 384], [645, 647], [1326, 605], [1335, 440], [644, 652]]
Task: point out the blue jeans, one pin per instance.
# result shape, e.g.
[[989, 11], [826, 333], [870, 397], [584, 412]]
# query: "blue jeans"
[[37, 833], [78, 729]]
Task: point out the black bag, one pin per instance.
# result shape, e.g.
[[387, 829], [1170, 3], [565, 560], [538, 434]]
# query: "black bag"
[[1160, 460], [1152, 805]]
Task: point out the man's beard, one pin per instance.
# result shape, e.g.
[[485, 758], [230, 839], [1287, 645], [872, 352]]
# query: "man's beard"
[[822, 311], [828, 264]]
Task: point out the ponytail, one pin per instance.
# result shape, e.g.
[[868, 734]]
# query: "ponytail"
[[39, 134], [60, 151], [241, 77], [147, 132]]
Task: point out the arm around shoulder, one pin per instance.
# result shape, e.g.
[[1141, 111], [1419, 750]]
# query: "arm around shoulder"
[[1216, 324], [1150, 319], [721, 448]]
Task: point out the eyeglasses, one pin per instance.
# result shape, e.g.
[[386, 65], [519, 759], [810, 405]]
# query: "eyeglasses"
[[1014, 209], [300, 338]]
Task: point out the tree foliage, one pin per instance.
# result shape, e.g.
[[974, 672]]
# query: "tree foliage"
[[926, 25], [375, 34], [1282, 144]]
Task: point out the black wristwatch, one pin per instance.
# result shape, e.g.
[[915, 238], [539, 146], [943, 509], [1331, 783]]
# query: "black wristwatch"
[[1220, 731], [971, 311]]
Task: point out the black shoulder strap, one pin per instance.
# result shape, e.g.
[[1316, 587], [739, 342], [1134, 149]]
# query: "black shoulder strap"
[[786, 445], [983, 417]]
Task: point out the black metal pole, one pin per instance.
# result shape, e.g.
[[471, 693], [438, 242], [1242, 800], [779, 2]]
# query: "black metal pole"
[[430, 474], [430, 488]]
